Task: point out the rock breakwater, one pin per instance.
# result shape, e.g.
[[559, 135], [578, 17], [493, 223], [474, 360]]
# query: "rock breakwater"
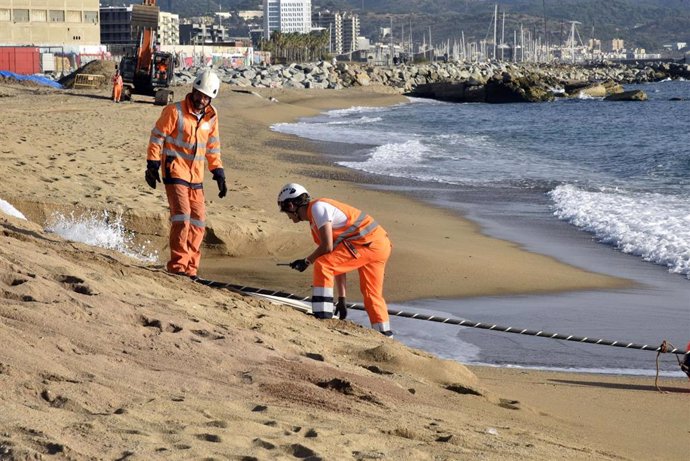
[[477, 82]]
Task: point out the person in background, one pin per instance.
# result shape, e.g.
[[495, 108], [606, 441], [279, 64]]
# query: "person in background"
[[117, 86], [346, 239], [162, 71], [186, 135]]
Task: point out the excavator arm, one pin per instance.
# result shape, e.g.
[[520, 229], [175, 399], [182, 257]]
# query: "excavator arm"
[[149, 71], [147, 39]]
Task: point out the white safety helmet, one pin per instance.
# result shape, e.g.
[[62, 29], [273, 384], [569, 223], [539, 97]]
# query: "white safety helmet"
[[207, 82], [292, 193]]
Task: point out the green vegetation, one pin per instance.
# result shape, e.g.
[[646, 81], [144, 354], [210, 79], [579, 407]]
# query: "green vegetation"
[[296, 47]]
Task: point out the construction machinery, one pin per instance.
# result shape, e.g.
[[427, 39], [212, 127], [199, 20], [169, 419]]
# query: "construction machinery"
[[149, 71]]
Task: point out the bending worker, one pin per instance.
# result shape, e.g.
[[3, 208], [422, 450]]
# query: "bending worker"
[[185, 135], [346, 239]]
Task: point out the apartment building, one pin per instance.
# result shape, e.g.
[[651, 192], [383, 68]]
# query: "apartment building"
[[49, 23], [350, 32], [287, 16], [200, 33], [168, 28], [116, 25], [343, 29], [616, 45], [118, 28]]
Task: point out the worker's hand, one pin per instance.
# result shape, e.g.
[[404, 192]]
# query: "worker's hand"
[[222, 187], [152, 177], [341, 308], [219, 177], [300, 264]]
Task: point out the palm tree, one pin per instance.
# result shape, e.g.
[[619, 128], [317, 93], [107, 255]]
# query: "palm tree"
[[297, 47]]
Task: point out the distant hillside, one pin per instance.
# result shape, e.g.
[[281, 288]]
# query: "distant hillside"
[[641, 23]]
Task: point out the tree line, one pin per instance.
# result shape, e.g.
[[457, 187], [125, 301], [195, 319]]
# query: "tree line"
[[298, 47]]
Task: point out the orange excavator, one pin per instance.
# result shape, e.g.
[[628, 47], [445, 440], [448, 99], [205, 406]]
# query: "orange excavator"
[[149, 71]]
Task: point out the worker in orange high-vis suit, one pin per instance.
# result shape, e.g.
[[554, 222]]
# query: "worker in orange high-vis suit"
[[117, 86], [186, 136], [346, 239]]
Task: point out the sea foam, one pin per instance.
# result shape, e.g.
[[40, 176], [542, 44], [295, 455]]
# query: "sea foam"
[[653, 226], [102, 230]]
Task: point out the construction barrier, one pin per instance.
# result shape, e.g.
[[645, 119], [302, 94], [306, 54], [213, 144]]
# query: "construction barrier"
[[89, 81]]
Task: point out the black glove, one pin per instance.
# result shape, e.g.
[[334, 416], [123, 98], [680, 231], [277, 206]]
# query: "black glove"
[[299, 264], [222, 187], [219, 177], [341, 308], [152, 177]]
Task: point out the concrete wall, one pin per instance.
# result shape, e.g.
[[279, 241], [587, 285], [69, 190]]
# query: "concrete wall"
[[49, 22]]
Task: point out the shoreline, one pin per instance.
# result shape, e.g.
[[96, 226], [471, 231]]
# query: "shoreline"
[[397, 212], [322, 157]]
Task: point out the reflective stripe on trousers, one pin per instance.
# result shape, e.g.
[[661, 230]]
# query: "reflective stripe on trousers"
[[187, 225], [371, 266]]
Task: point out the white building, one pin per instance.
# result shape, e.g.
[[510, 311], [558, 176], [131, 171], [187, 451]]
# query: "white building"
[[250, 14], [287, 16], [168, 28], [343, 29]]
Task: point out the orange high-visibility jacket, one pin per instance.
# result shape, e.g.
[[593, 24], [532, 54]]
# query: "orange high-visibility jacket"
[[182, 143], [360, 228]]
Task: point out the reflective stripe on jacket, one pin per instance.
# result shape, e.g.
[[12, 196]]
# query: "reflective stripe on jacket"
[[360, 227], [182, 143]]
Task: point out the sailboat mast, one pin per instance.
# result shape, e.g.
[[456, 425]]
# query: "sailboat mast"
[[495, 26], [503, 33]]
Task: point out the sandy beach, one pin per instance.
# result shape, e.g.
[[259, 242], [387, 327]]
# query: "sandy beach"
[[108, 357]]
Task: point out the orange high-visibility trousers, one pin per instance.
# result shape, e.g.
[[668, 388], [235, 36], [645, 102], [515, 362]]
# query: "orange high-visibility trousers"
[[117, 92], [370, 264], [187, 226]]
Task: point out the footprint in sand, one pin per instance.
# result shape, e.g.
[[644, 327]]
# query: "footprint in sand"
[[509, 404], [208, 334], [246, 378], [300, 451], [462, 389], [76, 284], [12, 281], [217, 423], [161, 326], [263, 444], [209, 438], [315, 356]]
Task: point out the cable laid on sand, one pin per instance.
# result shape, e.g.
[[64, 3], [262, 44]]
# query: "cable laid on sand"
[[465, 323]]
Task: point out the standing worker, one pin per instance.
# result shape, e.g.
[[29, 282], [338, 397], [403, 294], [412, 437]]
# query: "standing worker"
[[117, 86], [346, 239], [162, 71], [185, 135]]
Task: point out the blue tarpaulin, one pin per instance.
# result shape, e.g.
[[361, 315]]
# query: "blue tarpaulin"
[[34, 78]]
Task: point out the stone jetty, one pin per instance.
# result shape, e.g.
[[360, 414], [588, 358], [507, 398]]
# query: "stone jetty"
[[492, 82]]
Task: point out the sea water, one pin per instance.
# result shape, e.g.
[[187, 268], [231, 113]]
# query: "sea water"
[[104, 230], [601, 185]]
